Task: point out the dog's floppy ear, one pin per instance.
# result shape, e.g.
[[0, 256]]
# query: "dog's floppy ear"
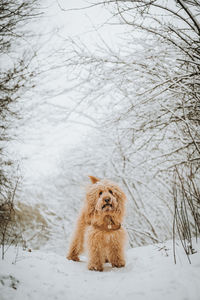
[[93, 179]]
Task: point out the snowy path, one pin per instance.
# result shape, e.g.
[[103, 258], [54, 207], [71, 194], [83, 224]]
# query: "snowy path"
[[149, 274]]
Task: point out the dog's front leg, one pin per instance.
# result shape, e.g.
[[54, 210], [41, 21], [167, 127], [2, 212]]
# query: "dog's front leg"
[[116, 253], [96, 258], [76, 246]]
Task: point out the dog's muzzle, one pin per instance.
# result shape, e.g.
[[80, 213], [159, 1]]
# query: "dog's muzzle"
[[107, 205]]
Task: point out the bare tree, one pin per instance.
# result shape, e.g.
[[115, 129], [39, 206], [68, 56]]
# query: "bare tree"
[[15, 79], [148, 91]]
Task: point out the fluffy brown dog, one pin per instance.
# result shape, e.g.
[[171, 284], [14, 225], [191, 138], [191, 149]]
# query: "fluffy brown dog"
[[102, 215]]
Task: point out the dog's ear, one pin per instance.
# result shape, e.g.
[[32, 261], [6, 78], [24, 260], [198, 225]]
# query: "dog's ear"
[[93, 179]]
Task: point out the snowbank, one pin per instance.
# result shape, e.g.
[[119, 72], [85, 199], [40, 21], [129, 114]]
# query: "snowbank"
[[150, 273]]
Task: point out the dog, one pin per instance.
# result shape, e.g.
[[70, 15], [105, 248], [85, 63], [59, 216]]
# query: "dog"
[[99, 226]]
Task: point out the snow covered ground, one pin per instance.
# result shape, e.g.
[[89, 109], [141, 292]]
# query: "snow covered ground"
[[150, 273]]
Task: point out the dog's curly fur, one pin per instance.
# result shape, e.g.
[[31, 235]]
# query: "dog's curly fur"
[[102, 215]]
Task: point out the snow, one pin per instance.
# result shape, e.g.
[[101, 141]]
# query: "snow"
[[150, 273]]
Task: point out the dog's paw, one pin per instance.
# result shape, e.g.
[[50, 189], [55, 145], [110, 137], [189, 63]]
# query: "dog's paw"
[[118, 264], [73, 257], [95, 268]]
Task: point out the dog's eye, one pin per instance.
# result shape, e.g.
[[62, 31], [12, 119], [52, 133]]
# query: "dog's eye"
[[100, 193], [110, 192]]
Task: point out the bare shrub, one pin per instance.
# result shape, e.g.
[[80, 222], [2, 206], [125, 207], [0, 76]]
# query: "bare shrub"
[[9, 231], [186, 207]]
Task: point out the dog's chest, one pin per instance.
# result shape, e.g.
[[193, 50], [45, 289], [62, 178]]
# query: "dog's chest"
[[107, 238]]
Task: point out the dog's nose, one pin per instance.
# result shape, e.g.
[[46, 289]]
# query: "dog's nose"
[[107, 200]]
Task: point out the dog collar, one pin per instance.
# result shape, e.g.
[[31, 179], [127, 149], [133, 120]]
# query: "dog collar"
[[108, 228]]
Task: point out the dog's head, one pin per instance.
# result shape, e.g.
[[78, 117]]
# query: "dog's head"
[[105, 197]]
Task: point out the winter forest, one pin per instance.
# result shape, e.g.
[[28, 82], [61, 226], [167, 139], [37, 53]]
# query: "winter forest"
[[104, 88]]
